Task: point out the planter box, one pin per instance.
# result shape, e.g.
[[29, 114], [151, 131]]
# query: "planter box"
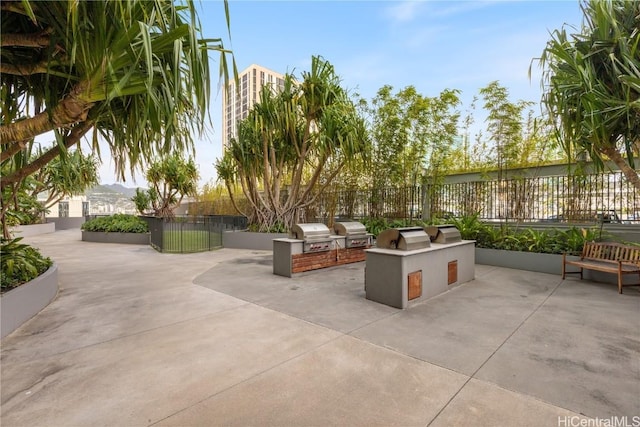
[[126, 238], [530, 261], [67, 223], [250, 240], [541, 263], [22, 303], [33, 229]]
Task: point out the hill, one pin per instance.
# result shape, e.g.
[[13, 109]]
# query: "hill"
[[111, 198]]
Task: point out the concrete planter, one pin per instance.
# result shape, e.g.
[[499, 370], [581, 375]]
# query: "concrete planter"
[[250, 240], [125, 238], [22, 303], [531, 261], [542, 263], [67, 223], [33, 229]]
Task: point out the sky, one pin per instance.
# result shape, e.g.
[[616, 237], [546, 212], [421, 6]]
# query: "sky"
[[431, 45]]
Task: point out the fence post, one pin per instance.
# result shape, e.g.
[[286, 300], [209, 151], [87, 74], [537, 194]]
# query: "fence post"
[[426, 203]]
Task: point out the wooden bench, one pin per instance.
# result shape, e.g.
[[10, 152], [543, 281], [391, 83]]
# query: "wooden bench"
[[608, 257]]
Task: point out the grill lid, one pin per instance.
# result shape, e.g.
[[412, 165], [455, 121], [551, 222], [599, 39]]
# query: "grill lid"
[[406, 239], [446, 233], [350, 228], [309, 231]]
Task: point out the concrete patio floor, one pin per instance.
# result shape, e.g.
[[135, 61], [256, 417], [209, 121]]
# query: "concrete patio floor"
[[139, 338]]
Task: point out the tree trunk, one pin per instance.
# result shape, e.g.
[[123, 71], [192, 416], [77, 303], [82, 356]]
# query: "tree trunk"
[[72, 109], [73, 138], [629, 173]]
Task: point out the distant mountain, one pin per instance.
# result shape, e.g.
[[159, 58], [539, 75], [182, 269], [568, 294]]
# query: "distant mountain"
[[112, 188], [129, 192], [111, 198]]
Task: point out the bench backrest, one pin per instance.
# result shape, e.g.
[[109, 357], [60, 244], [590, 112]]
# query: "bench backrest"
[[611, 251]]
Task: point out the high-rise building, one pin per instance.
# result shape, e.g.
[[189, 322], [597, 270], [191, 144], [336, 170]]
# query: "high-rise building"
[[237, 103]]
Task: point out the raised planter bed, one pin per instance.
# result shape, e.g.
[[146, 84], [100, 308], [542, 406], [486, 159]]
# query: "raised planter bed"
[[530, 261], [250, 240], [541, 263], [22, 303], [125, 238]]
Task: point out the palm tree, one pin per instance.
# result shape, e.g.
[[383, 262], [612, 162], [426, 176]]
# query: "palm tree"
[[135, 73], [592, 84], [292, 145]]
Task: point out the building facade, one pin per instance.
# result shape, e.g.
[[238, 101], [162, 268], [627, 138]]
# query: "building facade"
[[237, 101], [68, 207]]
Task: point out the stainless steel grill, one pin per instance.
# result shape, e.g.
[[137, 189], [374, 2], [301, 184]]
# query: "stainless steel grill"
[[355, 233], [406, 239], [316, 236], [445, 233]]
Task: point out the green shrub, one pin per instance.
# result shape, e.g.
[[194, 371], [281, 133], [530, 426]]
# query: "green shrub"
[[118, 223], [494, 236], [20, 263], [529, 240]]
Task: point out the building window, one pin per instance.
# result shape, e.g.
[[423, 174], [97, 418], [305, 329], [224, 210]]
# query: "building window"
[[63, 209], [85, 208]]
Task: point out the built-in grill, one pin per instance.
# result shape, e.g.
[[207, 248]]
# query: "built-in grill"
[[316, 236], [445, 233], [406, 239], [355, 233]]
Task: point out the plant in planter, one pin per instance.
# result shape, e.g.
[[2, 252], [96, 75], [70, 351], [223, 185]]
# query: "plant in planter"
[[20, 263], [118, 223], [529, 240]]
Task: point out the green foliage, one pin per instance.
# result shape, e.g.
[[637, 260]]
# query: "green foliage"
[[118, 223], [20, 263], [293, 143], [411, 134], [26, 211], [592, 84], [142, 200], [134, 74], [69, 174], [377, 225], [171, 179], [278, 227], [552, 241], [513, 137]]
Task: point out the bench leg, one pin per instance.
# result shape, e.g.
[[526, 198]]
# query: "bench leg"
[[619, 277]]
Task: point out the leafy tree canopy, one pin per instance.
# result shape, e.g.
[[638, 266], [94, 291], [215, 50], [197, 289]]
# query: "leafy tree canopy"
[[292, 145], [591, 81], [135, 73]]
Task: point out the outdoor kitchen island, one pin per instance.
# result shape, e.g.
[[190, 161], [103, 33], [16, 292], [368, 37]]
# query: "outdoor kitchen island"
[[407, 267], [312, 246]]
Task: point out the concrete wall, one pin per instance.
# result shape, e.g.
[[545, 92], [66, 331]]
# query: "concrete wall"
[[250, 240], [387, 271], [32, 230], [125, 238], [22, 303], [542, 263], [67, 223]]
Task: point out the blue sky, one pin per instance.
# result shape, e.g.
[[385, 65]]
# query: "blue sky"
[[432, 45]]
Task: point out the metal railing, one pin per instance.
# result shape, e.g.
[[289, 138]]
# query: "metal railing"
[[191, 233], [600, 197]]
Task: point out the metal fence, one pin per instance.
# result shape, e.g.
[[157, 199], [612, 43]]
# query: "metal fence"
[[600, 197], [191, 233]]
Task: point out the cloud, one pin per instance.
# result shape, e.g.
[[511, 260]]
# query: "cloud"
[[407, 11], [452, 8], [404, 11]]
